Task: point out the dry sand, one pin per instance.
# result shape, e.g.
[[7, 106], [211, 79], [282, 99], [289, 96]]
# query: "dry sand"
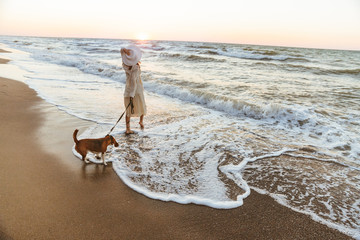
[[48, 193]]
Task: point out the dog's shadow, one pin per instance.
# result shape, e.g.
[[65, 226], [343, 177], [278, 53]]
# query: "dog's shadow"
[[95, 171]]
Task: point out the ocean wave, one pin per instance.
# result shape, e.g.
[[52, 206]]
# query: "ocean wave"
[[97, 49], [25, 43], [202, 47], [246, 53], [291, 67], [253, 56], [191, 57], [81, 44], [153, 47], [252, 53], [273, 113], [264, 51], [321, 71], [156, 48], [86, 65], [211, 52], [302, 120], [355, 71], [267, 52], [297, 59]]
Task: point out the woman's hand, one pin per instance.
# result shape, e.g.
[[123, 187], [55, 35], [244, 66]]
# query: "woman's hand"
[[126, 51]]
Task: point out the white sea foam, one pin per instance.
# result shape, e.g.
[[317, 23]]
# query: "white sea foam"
[[162, 166], [355, 233]]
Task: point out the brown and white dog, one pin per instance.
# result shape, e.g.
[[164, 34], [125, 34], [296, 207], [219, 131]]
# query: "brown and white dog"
[[98, 145]]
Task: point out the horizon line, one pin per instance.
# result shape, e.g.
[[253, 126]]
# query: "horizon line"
[[172, 40]]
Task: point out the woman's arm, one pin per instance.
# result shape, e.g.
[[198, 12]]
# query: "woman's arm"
[[134, 74]]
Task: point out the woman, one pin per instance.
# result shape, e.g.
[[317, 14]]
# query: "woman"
[[134, 90]]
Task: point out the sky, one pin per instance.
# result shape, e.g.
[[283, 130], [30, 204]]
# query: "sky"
[[333, 24]]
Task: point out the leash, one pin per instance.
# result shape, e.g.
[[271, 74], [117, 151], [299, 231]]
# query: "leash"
[[132, 112]]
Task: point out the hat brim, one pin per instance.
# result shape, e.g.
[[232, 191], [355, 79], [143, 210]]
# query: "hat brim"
[[133, 58]]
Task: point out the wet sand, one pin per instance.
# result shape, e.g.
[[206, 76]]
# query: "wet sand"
[[2, 60], [48, 193]]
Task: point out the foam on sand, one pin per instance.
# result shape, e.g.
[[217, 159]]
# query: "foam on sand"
[[185, 168]]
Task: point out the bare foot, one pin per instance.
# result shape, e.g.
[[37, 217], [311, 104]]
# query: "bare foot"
[[129, 132], [141, 125]]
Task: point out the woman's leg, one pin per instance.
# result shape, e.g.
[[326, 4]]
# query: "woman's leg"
[[141, 122], [128, 130]]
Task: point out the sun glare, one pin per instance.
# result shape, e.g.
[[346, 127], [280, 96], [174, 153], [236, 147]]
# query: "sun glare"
[[142, 36]]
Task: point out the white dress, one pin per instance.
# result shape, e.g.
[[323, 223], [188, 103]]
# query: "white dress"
[[134, 88]]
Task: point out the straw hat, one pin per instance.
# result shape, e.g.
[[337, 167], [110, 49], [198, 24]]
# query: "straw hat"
[[133, 58]]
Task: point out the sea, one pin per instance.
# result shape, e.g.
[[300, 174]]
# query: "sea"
[[223, 119]]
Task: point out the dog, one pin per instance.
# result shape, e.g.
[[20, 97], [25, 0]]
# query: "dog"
[[98, 145]]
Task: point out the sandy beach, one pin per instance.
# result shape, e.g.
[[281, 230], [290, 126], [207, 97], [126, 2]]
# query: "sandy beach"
[[44, 196]]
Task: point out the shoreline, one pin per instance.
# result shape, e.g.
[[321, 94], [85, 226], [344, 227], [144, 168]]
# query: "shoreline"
[[49, 193]]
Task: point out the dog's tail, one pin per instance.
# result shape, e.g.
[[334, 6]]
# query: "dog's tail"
[[74, 136]]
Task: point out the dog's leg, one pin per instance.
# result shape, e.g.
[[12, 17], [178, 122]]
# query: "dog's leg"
[[82, 153], [84, 158], [103, 158]]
